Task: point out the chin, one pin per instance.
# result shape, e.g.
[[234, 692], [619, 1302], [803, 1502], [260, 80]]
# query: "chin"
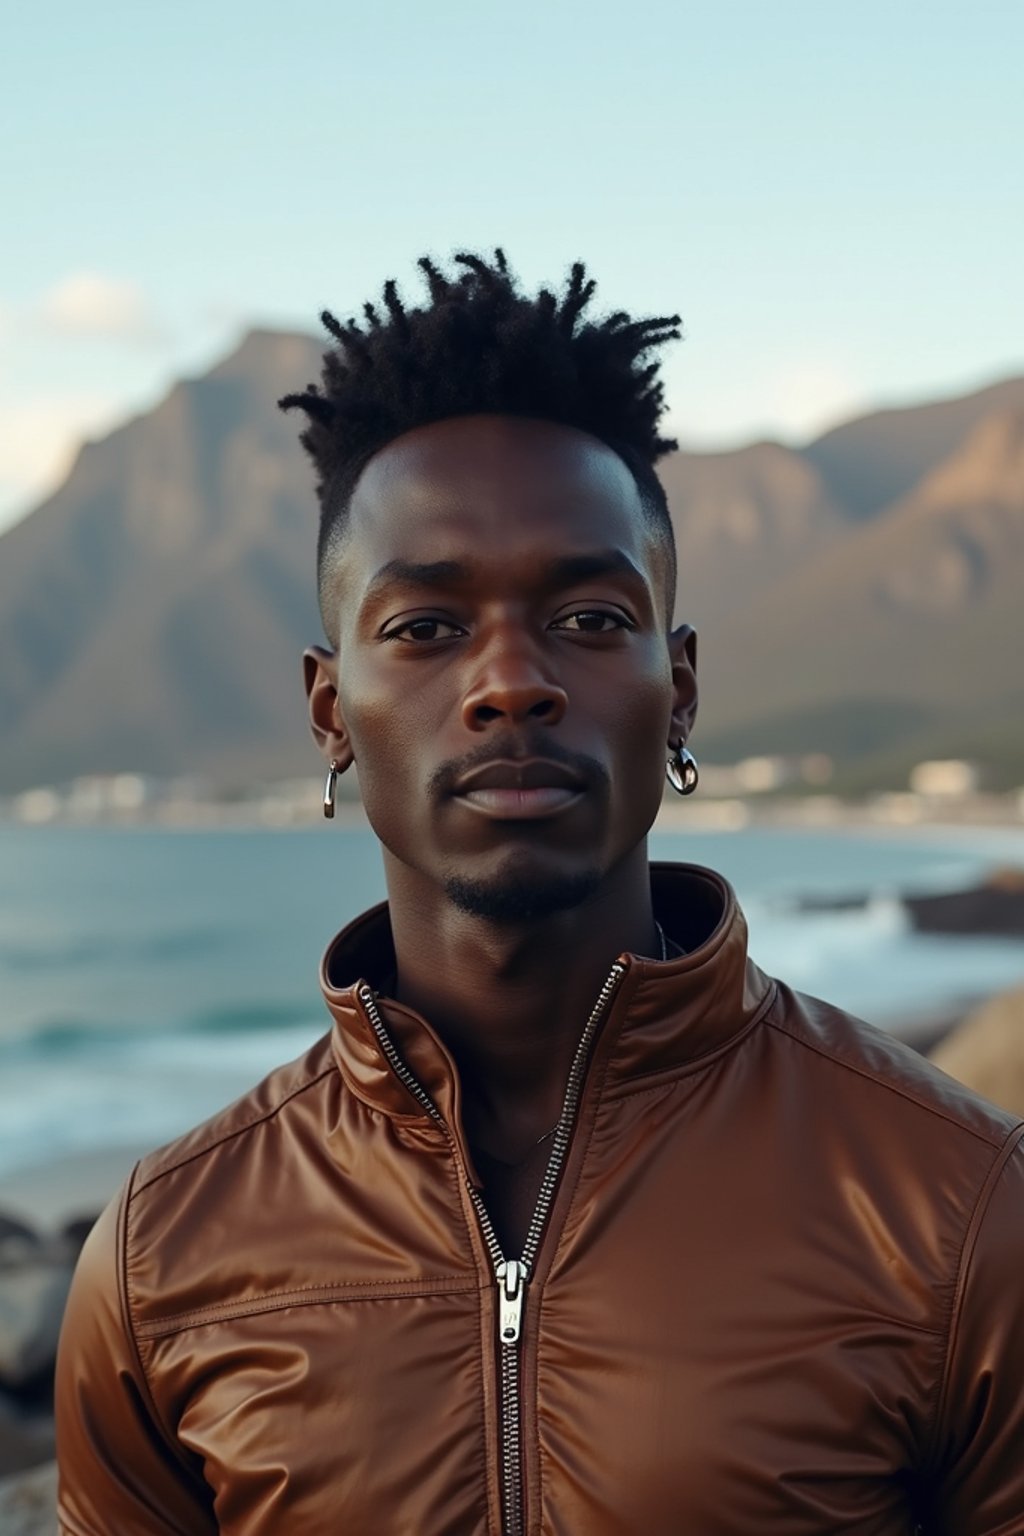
[[521, 893]]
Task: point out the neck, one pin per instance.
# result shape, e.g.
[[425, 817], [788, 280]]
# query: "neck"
[[510, 1002]]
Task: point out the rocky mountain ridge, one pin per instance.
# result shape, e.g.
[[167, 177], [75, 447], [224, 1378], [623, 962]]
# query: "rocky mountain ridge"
[[858, 596]]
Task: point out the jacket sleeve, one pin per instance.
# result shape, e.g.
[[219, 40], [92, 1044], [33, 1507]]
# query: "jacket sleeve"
[[978, 1489], [118, 1470]]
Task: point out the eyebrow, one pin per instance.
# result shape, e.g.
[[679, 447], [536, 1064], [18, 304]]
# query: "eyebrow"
[[569, 569], [409, 573], [566, 571]]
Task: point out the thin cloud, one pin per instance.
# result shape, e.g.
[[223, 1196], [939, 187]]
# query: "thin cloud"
[[812, 394], [38, 443], [87, 304], [793, 400]]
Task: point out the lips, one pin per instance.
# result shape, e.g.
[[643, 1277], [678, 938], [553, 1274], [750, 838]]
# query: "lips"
[[530, 773], [519, 791]]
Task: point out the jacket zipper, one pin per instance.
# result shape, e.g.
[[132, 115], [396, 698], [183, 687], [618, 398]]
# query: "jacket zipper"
[[511, 1275]]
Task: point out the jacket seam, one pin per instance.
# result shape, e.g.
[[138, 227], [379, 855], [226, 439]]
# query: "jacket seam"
[[659, 1076], [880, 1082], [481, 1388], [304, 1296], [972, 1232], [124, 1286], [238, 1130]]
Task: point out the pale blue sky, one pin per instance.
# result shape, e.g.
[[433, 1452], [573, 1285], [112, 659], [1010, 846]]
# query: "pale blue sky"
[[831, 194]]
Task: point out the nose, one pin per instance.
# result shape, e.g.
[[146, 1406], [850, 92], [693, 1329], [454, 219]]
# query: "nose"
[[512, 685]]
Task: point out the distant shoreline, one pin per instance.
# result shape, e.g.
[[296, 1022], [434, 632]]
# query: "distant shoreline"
[[897, 812]]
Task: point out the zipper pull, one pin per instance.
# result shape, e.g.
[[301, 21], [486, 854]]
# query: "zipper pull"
[[511, 1292]]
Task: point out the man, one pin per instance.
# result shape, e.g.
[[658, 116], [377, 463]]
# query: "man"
[[577, 1224]]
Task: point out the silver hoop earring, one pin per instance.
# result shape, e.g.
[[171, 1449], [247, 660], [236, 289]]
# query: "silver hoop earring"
[[681, 771], [330, 789]]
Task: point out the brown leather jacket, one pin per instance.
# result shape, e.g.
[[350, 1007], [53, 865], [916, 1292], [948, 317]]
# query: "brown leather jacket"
[[779, 1288]]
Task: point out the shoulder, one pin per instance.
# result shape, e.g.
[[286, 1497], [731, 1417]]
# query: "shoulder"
[[853, 1059], [284, 1093], [195, 1212], [161, 1183]]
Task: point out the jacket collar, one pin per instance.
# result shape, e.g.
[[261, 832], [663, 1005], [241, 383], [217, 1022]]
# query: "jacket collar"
[[665, 1015]]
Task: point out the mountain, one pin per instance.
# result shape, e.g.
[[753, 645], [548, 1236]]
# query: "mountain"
[[151, 611], [918, 614], [744, 520], [857, 596], [875, 460]]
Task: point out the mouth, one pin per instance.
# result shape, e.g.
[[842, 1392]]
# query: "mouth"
[[520, 804], [520, 791]]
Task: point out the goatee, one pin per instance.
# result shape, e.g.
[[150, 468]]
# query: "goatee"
[[519, 897]]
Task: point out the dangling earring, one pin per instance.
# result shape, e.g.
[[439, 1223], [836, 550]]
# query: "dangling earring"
[[330, 789], [681, 770]]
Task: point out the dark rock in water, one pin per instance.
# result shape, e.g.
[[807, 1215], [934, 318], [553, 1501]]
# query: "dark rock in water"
[[995, 908], [854, 903], [28, 1503]]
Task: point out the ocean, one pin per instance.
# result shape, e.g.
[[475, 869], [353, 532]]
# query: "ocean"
[[147, 977]]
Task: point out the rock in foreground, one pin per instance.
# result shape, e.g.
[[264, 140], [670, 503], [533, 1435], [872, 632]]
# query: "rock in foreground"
[[987, 1051], [35, 1273], [28, 1503]]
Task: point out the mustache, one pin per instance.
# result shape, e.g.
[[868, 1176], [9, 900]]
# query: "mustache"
[[591, 773]]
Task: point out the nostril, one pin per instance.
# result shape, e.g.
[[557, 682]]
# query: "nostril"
[[497, 698]]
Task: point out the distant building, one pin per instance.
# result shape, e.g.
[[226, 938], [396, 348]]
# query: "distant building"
[[944, 779]]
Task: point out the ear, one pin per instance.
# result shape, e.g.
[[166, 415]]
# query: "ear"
[[682, 645], [320, 672]]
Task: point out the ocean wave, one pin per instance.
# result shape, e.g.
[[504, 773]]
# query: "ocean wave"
[[139, 1091], [95, 951], [70, 1037]]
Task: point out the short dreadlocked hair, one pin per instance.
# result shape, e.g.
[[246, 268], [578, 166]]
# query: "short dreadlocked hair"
[[479, 346]]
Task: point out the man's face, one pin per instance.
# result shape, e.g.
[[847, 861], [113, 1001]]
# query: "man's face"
[[503, 679]]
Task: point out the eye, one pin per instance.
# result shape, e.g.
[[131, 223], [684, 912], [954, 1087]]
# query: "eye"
[[423, 630], [592, 621]]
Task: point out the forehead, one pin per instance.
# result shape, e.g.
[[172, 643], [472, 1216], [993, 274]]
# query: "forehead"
[[493, 492]]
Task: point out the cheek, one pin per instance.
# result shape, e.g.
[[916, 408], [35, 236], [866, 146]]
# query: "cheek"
[[376, 730], [647, 706], [385, 749], [393, 732], [374, 711], [642, 707], [383, 742], [640, 729]]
